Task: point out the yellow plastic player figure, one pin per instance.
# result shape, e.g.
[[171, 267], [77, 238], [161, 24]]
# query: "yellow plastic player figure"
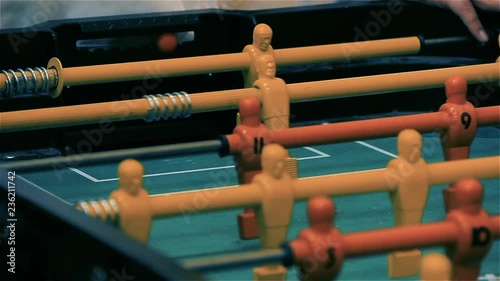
[[275, 99], [133, 201], [275, 113], [409, 177], [435, 267], [275, 211], [261, 45]]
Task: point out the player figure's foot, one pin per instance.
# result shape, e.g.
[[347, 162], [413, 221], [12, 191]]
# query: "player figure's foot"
[[247, 225]]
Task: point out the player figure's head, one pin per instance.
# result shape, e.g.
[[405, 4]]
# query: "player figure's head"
[[130, 174], [249, 109], [456, 90], [435, 267], [273, 160], [262, 36], [321, 213], [469, 195], [266, 66], [410, 145]]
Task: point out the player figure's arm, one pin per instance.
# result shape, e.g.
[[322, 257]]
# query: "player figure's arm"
[[451, 115], [392, 175], [301, 246], [258, 84]]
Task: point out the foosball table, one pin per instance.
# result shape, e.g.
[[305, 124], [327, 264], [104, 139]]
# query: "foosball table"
[[347, 141]]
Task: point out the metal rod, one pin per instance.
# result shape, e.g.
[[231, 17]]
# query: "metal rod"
[[373, 128], [361, 243], [73, 161], [362, 182], [289, 138], [224, 100], [55, 77], [225, 262], [117, 72]]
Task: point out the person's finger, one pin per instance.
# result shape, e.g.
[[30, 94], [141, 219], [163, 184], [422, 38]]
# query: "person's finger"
[[490, 5], [465, 10]]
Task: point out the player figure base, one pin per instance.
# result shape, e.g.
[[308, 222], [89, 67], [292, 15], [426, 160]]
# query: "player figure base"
[[270, 273], [404, 263], [248, 226]]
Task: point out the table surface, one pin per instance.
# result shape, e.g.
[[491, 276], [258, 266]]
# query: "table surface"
[[198, 235]]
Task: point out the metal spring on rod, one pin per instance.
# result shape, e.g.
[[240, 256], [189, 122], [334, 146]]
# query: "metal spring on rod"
[[25, 81], [160, 106], [107, 210]]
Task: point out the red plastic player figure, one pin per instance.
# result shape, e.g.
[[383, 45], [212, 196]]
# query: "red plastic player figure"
[[254, 135], [318, 249], [466, 255], [462, 118]]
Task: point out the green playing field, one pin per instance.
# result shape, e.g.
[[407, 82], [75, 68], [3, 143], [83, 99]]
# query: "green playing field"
[[197, 235]]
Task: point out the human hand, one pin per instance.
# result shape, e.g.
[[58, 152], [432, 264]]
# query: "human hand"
[[465, 9]]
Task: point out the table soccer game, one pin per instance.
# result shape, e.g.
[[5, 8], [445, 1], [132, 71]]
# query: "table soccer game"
[[354, 140]]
